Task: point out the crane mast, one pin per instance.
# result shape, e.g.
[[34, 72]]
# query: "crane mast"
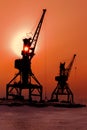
[[14, 89], [62, 85]]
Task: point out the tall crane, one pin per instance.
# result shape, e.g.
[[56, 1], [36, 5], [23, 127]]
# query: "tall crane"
[[14, 89], [62, 85]]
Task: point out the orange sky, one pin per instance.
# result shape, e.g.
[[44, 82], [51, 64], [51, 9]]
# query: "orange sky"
[[63, 33]]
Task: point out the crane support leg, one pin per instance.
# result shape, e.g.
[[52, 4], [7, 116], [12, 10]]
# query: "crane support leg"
[[62, 93]]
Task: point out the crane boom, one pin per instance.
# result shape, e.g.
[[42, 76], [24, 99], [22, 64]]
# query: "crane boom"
[[69, 67], [36, 34]]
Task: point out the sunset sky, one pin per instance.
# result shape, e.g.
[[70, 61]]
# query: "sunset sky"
[[63, 33]]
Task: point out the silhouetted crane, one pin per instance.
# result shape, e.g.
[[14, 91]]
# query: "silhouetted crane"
[[62, 85], [14, 89]]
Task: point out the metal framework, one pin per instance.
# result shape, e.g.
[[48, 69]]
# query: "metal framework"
[[26, 78], [62, 88]]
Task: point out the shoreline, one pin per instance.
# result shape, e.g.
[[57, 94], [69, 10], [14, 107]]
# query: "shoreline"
[[11, 102]]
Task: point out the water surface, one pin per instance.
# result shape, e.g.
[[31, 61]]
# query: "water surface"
[[48, 118]]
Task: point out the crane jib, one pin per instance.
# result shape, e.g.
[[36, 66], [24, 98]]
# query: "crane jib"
[[37, 31]]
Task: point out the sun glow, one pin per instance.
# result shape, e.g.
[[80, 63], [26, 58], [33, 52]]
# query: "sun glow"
[[26, 49], [17, 42]]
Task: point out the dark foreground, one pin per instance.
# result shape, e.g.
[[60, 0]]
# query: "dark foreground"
[[40, 104]]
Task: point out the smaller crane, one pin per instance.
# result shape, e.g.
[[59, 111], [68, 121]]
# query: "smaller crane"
[[62, 85]]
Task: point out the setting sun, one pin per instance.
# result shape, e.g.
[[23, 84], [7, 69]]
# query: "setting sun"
[[17, 42]]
